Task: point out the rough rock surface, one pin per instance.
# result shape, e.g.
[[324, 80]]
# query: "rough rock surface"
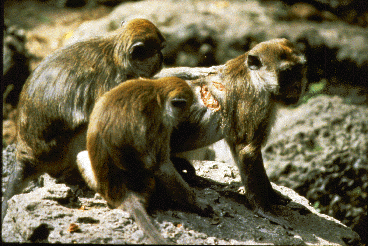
[[48, 210], [56, 214], [320, 150], [351, 11]]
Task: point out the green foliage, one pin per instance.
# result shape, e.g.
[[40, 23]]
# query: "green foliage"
[[317, 88], [316, 205], [314, 89]]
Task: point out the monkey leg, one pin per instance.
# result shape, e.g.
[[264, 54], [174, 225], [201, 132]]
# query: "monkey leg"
[[259, 192], [180, 191]]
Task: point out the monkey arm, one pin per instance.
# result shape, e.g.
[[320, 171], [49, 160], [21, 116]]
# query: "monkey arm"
[[180, 191], [188, 73], [202, 129]]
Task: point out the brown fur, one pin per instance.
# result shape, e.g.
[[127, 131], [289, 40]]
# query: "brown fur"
[[128, 142], [58, 97], [247, 89], [270, 73]]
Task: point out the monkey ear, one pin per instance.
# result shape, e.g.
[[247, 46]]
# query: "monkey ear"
[[179, 103], [254, 63]]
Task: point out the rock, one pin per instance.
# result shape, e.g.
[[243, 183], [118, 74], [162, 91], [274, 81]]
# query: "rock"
[[351, 11], [9, 132], [8, 160], [320, 150], [43, 215], [15, 62], [203, 33], [83, 3]]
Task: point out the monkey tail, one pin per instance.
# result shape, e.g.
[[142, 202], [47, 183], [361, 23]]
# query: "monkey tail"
[[136, 208]]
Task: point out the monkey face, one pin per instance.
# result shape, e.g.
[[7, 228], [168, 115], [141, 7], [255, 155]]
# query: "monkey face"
[[292, 84], [146, 57], [281, 66]]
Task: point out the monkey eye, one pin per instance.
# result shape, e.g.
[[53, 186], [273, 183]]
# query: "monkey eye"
[[283, 56], [179, 102], [254, 62]]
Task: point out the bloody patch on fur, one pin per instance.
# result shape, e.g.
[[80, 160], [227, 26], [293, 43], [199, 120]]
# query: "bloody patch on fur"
[[208, 100], [218, 86]]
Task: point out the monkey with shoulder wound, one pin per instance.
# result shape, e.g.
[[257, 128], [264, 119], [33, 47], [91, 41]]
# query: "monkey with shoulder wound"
[[58, 97], [128, 142], [236, 102]]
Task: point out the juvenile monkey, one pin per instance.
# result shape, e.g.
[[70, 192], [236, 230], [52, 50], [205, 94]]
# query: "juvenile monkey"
[[128, 142], [58, 97], [236, 101]]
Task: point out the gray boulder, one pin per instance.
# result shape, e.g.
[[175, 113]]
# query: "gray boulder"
[[56, 214], [320, 150]]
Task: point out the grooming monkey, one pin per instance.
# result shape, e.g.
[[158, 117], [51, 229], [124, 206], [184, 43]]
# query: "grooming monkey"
[[58, 97], [236, 102], [128, 142]]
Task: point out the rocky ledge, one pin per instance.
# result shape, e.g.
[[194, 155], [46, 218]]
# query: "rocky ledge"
[[56, 213]]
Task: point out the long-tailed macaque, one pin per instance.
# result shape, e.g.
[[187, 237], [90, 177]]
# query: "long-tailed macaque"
[[128, 143], [58, 97], [236, 102]]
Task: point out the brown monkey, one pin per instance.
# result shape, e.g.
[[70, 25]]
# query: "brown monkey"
[[58, 97], [236, 101], [128, 142]]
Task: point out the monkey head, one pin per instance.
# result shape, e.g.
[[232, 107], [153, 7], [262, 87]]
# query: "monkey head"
[[140, 48], [281, 66], [178, 97]]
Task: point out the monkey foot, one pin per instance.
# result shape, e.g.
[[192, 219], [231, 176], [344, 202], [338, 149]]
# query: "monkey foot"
[[278, 199]]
